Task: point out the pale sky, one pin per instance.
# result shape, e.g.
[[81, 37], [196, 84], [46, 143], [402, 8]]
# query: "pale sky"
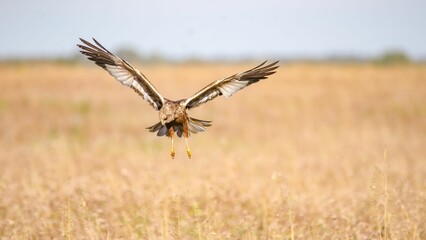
[[219, 28]]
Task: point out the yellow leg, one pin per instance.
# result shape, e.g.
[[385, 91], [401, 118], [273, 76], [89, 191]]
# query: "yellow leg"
[[188, 151], [172, 151]]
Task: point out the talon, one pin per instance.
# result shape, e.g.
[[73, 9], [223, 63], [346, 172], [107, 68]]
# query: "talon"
[[187, 147], [172, 150]]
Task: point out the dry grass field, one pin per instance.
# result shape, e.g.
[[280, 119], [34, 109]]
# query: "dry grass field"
[[318, 151]]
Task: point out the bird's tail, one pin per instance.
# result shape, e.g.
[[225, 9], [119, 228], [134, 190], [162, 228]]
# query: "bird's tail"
[[194, 126], [159, 128], [197, 125]]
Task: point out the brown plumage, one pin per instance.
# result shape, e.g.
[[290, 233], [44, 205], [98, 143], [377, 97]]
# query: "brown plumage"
[[173, 115]]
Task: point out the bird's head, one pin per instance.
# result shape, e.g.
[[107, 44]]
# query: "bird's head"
[[166, 118]]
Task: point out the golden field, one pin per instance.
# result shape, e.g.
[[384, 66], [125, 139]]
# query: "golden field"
[[317, 151]]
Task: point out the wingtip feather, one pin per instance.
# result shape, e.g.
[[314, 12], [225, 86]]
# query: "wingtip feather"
[[100, 45]]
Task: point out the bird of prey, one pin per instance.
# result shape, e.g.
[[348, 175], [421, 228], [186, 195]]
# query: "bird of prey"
[[173, 114]]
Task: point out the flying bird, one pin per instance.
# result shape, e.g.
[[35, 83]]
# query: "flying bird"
[[173, 114]]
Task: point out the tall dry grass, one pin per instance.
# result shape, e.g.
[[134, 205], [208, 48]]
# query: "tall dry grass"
[[314, 152]]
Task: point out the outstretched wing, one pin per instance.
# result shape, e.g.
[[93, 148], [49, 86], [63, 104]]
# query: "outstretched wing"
[[121, 70], [230, 85]]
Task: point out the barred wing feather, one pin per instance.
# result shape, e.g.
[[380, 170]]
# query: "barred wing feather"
[[230, 85], [121, 70]]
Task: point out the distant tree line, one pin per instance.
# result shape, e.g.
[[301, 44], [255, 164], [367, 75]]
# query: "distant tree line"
[[391, 57]]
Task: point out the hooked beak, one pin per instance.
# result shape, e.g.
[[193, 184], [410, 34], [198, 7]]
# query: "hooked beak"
[[163, 120]]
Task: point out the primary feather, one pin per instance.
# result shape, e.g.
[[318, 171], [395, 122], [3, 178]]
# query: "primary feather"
[[230, 85], [122, 71]]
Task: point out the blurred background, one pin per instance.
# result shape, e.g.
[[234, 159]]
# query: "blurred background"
[[332, 146], [219, 30]]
